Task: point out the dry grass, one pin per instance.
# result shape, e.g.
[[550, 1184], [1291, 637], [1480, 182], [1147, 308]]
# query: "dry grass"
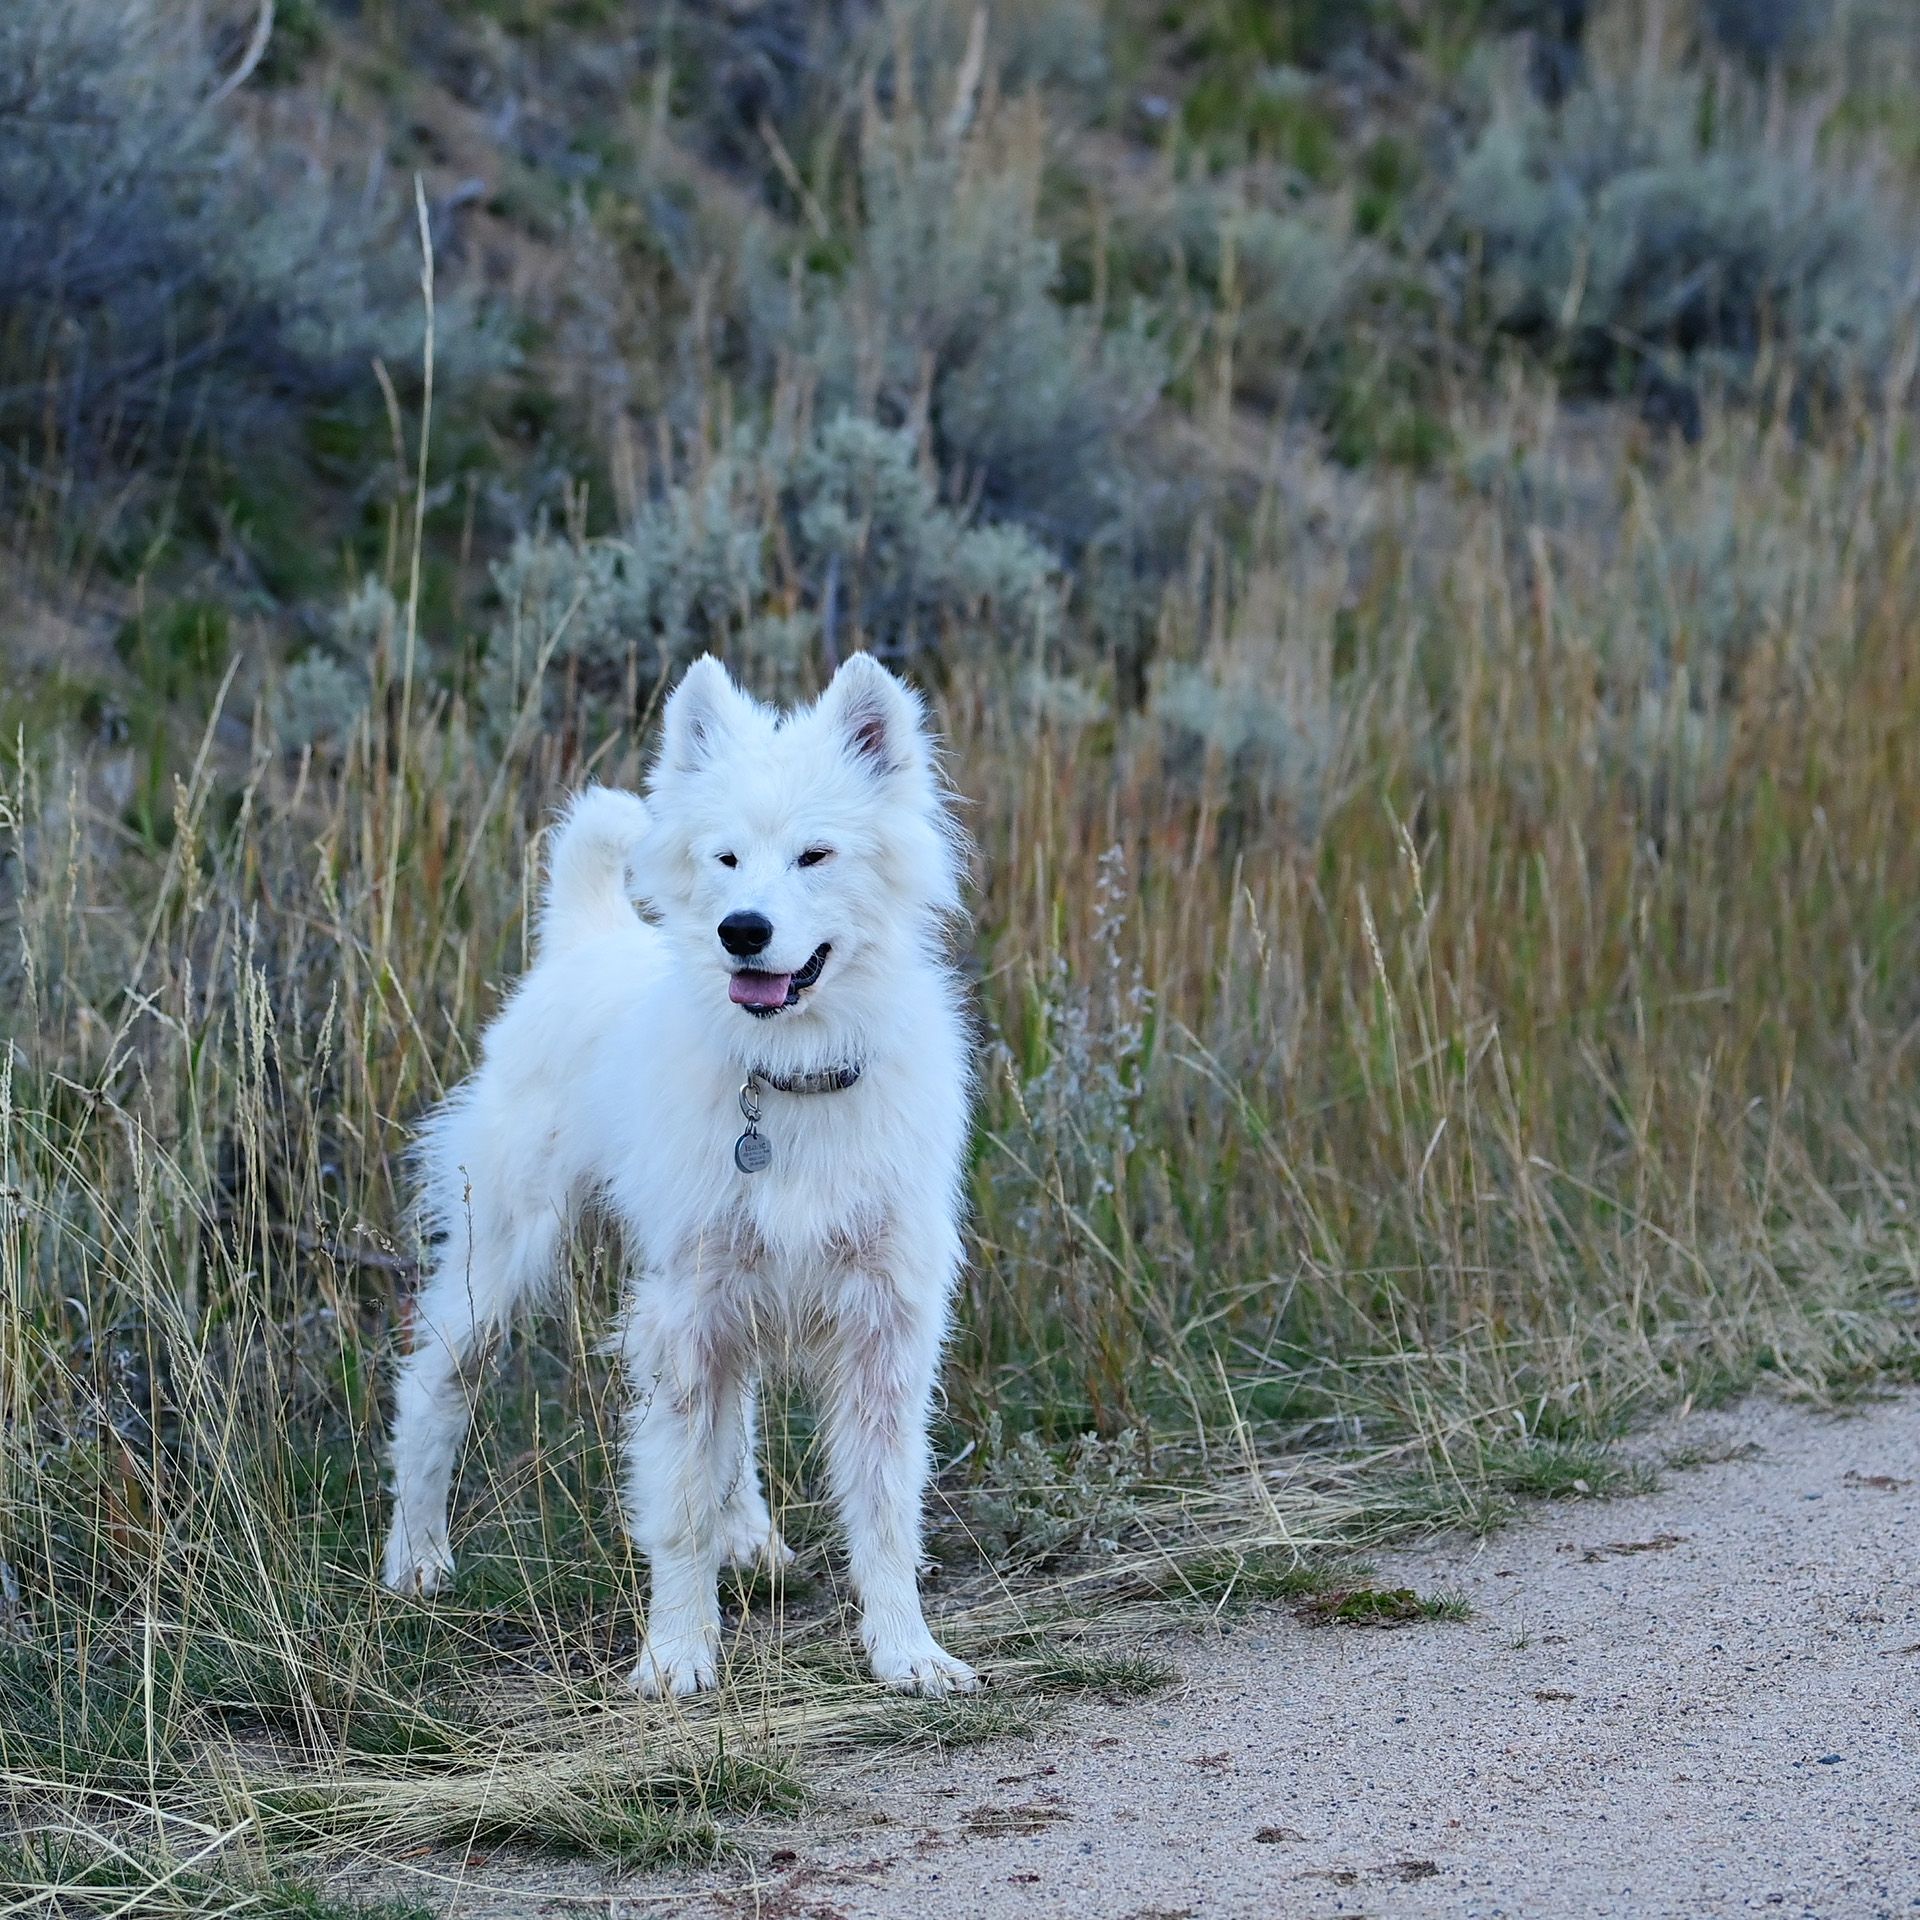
[[1366, 1146]]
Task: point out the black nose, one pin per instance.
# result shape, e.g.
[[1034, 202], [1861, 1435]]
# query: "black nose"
[[743, 934]]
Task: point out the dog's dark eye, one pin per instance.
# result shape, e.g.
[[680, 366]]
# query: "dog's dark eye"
[[813, 856], [727, 860]]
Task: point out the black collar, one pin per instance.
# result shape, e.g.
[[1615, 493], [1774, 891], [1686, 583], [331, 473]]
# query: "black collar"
[[821, 1080]]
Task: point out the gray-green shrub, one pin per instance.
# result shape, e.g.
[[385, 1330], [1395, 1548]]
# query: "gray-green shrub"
[[948, 306], [1621, 231], [326, 690], [145, 241], [839, 538]]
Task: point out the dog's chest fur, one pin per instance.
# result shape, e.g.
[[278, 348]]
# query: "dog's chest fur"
[[849, 1170]]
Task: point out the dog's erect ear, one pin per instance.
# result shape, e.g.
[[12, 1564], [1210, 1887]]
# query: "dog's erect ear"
[[876, 717], [701, 711]]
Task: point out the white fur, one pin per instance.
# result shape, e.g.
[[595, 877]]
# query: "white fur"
[[613, 1075]]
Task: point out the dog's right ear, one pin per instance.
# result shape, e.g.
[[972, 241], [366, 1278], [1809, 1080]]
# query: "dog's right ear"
[[701, 712]]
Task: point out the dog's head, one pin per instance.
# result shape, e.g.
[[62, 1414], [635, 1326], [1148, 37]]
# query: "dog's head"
[[792, 856]]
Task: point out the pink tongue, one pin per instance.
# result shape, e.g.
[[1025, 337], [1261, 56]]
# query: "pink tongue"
[[760, 989]]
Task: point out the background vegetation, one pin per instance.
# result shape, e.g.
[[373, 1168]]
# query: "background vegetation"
[[1405, 512]]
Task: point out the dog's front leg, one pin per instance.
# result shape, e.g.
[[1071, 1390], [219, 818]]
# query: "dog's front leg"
[[685, 1443], [881, 1363]]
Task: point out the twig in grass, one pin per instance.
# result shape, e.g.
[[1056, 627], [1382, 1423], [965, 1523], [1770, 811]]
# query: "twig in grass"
[[256, 51], [343, 1253]]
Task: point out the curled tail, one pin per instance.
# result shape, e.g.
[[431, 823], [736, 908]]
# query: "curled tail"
[[587, 867]]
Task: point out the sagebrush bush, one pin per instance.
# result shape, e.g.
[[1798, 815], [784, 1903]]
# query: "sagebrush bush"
[[1298, 278], [1620, 230], [1077, 1097], [1036, 1505], [318, 700], [326, 690], [1290, 282], [947, 309], [1261, 703], [735, 71], [838, 538], [1265, 726], [146, 242]]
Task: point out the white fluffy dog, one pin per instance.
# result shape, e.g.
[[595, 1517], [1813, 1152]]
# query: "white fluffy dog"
[[768, 1083]]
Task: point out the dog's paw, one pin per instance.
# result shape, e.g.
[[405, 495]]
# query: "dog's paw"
[[418, 1569], [673, 1666], [925, 1668], [756, 1542]]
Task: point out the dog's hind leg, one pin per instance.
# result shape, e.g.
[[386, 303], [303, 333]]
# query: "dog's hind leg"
[[688, 1454], [881, 1358], [498, 1236], [748, 1537]]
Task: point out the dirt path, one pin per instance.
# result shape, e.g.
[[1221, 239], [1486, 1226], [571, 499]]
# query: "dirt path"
[[1701, 1701]]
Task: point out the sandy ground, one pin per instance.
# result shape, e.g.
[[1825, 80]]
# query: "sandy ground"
[[1697, 1702]]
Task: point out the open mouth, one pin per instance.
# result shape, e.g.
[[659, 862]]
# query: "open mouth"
[[763, 994]]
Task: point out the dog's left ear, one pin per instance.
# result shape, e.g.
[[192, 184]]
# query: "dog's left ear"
[[876, 717]]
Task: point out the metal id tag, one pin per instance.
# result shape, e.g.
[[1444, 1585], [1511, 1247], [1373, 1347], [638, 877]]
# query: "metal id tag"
[[753, 1151]]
